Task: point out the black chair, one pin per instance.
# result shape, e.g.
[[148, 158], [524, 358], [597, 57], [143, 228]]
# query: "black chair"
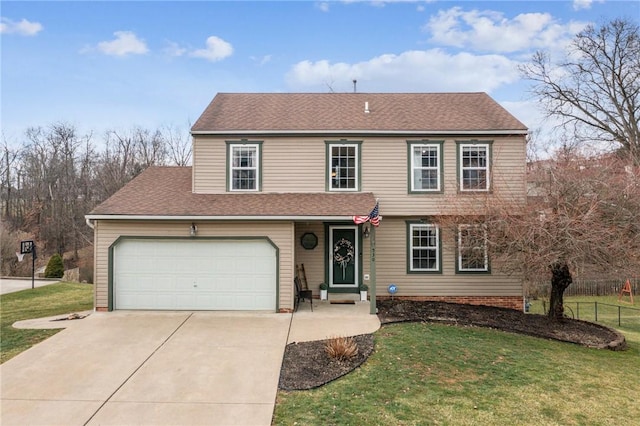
[[302, 294]]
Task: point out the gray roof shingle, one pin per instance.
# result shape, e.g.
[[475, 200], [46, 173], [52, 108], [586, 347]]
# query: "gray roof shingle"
[[427, 112], [166, 191]]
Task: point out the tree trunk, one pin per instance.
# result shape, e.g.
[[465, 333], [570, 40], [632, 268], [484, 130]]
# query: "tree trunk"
[[560, 280]]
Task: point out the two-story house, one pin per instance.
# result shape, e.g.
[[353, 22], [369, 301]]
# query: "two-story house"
[[275, 183]]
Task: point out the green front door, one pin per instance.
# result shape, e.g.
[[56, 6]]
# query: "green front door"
[[343, 257]]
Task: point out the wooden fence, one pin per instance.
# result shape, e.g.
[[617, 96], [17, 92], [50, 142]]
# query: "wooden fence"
[[579, 287]]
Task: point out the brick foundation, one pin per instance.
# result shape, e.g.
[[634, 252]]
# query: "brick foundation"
[[102, 309], [510, 302], [285, 311]]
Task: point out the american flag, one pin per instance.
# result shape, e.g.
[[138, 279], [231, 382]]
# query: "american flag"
[[373, 217]]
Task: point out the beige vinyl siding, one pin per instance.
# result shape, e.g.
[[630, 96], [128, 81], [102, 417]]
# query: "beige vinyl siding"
[[391, 267], [209, 165], [313, 260], [297, 164], [288, 165], [385, 172], [280, 233]]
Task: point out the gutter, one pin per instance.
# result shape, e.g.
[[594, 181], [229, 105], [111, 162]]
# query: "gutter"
[[91, 217], [360, 132], [89, 222]]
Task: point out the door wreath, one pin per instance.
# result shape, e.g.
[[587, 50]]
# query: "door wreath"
[[343, 253]]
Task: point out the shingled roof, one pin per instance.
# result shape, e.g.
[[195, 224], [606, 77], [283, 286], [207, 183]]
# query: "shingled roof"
[[335, 112], [166, 191]]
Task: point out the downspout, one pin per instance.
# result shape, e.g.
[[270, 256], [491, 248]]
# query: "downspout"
[[91, 225]]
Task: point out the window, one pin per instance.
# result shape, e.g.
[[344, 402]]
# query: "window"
[[244, 167], [425, 167], [424, 248], [472, 249], [474, 167], [343, 166]]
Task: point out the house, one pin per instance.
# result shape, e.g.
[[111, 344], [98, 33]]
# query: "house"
[[275, 183]]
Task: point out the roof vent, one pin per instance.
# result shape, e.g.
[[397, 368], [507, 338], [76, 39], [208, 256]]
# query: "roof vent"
[[366, 108]]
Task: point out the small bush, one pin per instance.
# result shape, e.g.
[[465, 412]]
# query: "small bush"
[[55, 267], [341, 348]]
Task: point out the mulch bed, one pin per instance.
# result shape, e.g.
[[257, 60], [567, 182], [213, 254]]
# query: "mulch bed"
[[306, 365]]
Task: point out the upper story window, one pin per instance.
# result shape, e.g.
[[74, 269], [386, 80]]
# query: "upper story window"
[[424, 248], [472, 249], [425, 166], [244, 166], [474, 160], [343, 166]]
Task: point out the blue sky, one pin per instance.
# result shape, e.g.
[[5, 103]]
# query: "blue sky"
[[115, 65]]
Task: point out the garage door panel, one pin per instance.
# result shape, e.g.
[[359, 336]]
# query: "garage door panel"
[[195, 275]]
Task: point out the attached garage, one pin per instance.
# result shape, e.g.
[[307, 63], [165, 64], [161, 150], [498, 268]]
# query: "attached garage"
[[194, 274]]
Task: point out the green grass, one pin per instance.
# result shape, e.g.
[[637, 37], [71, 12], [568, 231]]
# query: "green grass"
[[438, 374], [55, 299], [583, 307]]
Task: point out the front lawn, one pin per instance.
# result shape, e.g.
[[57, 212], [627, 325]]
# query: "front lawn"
[[423, 373], [54, 299], [584, 308]]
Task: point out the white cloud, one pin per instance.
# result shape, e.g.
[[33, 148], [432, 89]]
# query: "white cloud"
[[174, 49], [413, 71], [490, 31], [323, 6], [582, 4], [24, 27], [125, 43], [216, 50]]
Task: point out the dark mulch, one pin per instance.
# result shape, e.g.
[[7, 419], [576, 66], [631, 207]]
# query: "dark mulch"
[[570, 330], [306, 365]]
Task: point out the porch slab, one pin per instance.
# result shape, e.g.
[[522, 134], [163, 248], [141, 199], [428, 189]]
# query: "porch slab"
[[331, 320]]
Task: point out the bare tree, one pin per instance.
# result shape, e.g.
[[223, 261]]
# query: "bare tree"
[[582, 213], [595, 90], [178, 145], [56, 176], [8, 178]]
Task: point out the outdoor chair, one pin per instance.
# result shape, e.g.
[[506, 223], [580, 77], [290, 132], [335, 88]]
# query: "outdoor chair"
[[302, 294]]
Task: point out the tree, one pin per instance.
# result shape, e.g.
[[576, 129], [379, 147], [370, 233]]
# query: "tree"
[[583, 214], [8, 176], [55, 267], [179, 146], [595, 90], [55, 176]]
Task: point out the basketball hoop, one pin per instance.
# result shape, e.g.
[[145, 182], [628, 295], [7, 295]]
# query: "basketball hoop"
[[28, 246]]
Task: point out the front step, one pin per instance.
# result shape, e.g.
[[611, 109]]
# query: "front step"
[[344, 296]]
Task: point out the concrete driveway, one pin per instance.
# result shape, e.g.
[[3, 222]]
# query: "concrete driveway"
[[150, 368], [9, 285]]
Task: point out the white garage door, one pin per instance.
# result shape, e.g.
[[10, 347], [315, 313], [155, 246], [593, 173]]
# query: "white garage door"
[[194, 275]]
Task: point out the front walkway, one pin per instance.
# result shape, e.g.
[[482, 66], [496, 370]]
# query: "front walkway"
[[331, 320]]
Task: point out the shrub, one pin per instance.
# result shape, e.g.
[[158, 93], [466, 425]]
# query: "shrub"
[[55, 267], [341, 348]]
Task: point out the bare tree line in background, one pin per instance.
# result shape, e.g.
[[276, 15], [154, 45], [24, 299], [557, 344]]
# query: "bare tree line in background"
[[54, 176]]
